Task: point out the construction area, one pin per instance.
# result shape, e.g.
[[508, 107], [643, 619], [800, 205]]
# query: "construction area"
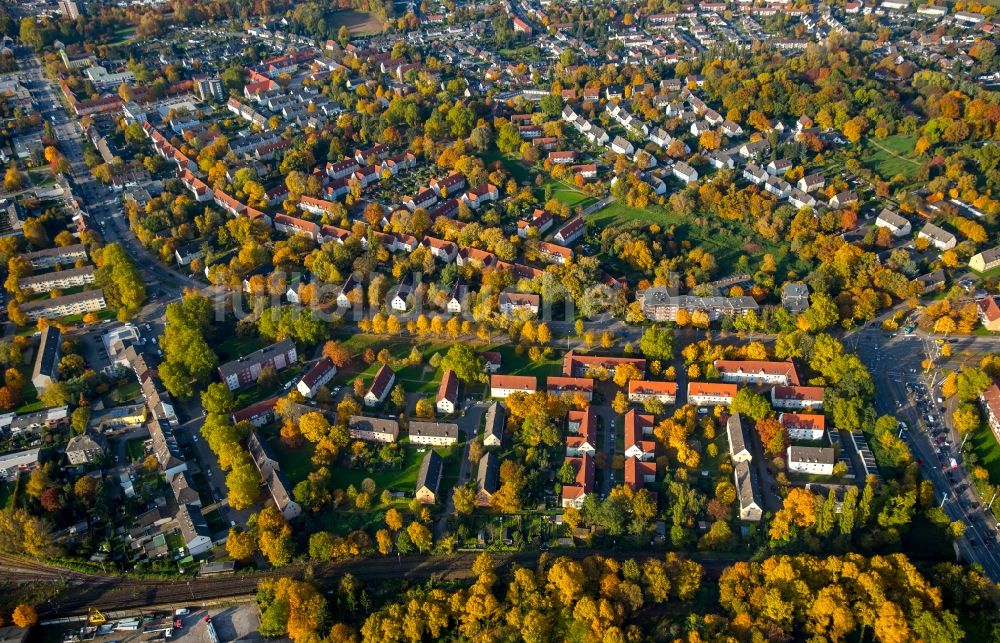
[[188, 625]]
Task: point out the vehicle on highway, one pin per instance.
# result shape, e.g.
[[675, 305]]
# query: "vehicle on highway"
[[952, 463]]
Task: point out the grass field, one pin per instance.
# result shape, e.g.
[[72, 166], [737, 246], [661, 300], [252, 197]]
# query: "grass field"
[[891, 155], [521, 172], [359, 23], [514, 364], [234, 347], [986, 448]]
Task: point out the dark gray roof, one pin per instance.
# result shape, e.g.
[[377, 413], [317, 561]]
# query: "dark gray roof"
[[496, 415], [45, 277], [745, 488], [183, 491], [257, 357], [48, 352], [488, 478], [430, 471], [434, 429], [737, 434], [192, 523], [821, 455]]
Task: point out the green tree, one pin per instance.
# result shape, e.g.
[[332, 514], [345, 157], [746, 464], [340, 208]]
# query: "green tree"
[[465, 361], [657, 343]]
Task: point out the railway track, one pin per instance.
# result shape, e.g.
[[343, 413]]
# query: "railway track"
[[118, 593]]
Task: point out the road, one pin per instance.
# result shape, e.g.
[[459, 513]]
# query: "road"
[[900, 383]]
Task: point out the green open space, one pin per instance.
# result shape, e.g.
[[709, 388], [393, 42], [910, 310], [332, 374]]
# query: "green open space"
[[517, 169], [520, 364], [897, 157], [358, 22], [29, 400], [134, 448], [234, 347], [987, 450]]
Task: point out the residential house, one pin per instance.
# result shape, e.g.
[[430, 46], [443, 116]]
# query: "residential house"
[[811, 182], [502, 386], [939, 237], [372, 429], [554, 253], [642, 390], [757, 372], [194, 529], [484, 193], [87, 301], [843, 199], [541, 220], [751, 508], [797, 397], [380, 387], [440, 434], [985, 260], [582, 365], [58, 280], [570, 232], [510, 302], [319, 375], [803, 426], [989, 312], [990, 399], [795, 297], [184, 491], [14, 464], [638, 428], [46, 366], [496, 416], [710, 393], [754, 173], [575, 493], [87, 448], [801, 199], [685, 172], [639, 473], [447, 395], [811, 460], [582, 429], [739, 439], [896, 224], [622, 146], [245, 370], [932, 281], [429, 478], [570, 386], [487, 479], [658, 304]]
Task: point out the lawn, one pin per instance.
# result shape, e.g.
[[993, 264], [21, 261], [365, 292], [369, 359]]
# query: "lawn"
[[295, 463], [359, 23], [234, 347], [520, 171], [615, 213], [29, 401], [569, 195], [514, 364], [135, 449], [887, 162], [987, 450]]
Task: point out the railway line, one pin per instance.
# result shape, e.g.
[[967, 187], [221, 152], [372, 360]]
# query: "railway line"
[[120, 593]]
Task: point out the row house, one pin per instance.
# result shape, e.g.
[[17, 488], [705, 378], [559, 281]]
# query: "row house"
[[757, 372], [245, 370], [423, 199], [318, 375], [642, 390], [569, 232], [938, 237], [797, 397], [196, 186], [580, 365], [573, 495], [485, 193], [447, 208], [503, 386], [803, 426], [447, 395], [475, 257], [710, 393], [562, 158], [342, 169], [739, 440], [778, 187], [638, 430], [586, 170], [292, 225], [581, 427], [811, 460], [553, 253], [511, 302], [541, 220], [445, 251], [684, 172], [571, 386], [58, 280], [438, 434], [372, 429], [449, 185], [377, 152], [754, 173], [316, 206], [898, 225]]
